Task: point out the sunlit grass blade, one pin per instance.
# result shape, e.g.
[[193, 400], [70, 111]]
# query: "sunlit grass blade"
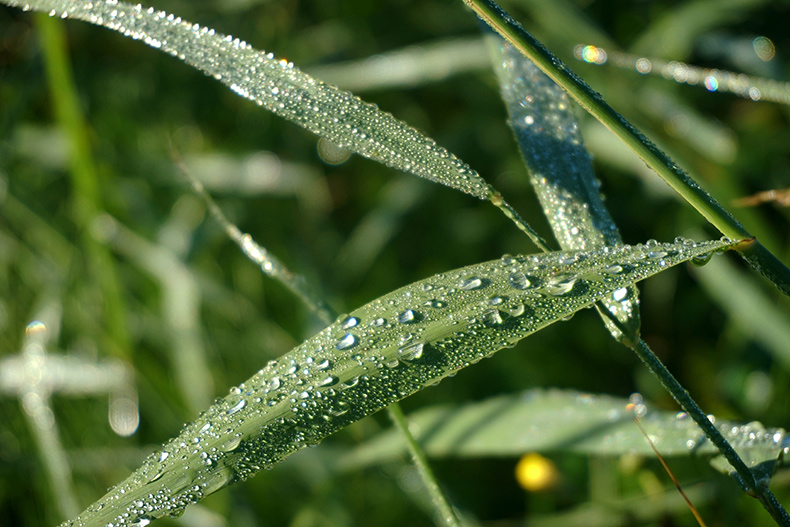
[[376, 355], [713, 80], [277, 85], [596, 425], [297, 284], [759, 258], [560, 169]]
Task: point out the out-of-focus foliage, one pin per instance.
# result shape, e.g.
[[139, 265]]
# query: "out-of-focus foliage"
[[200, 317]]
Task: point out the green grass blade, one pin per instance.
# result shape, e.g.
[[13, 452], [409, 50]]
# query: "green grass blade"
[[560, 169], [280, 87], [511, 425], [376, 355], [760, 258]]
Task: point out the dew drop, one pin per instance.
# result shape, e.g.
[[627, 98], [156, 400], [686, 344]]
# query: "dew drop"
[[329, 381], [519, 281], [347, 342], [492, 317], [407, 317], [349, 322], [621, 294], [517, 310], [614, 269], [412, 351], [471, 283], [560, 285], [273, 384], [378, 322], [236, 407], [231, 445]]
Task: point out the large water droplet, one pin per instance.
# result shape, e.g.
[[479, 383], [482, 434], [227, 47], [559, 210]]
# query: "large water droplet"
[[471, 283], [407, 317], [519, 281], [492, 317], [411, 352], [349, 322], [236, 407], [620, 295], [347, 342], [560, 285]]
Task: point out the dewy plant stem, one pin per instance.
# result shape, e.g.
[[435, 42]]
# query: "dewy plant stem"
[[756, 254]]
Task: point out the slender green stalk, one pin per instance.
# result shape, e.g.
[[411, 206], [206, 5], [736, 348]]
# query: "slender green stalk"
[[276, 270], [420, 461], [84, 180], [758, 256], [757, 489]]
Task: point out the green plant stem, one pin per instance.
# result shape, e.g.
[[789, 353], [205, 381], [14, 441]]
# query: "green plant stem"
[[86, 193], [757, 255], [420, 461], [313, 300], [753, 487]]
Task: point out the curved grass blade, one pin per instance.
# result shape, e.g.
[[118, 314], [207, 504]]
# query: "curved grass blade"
[[378, 354], [759, 258], [560, 169], [601, 425], [334, 114], [713, 80], [280, 87]]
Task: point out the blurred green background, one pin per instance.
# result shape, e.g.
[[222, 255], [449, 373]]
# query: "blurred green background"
[[153, 282]]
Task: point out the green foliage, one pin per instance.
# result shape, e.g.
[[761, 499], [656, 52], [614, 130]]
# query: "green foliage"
[[359, 230]]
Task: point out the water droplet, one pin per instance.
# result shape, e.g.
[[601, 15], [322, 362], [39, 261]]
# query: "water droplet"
[[620, 295], [471, 283], [560, 285], [236, 407], [349, 322], [231, 444], [378, 322], [324, 365], [516, 310], [407, 317], [436, 304], [273, 384], [495, 300], [614, 269], [519, 281], [411, 352], [492, 317], [347, 342], [163, 455], [329, 381]]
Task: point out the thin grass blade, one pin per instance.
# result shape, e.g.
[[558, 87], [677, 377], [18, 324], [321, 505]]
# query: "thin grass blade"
[[280, 87], [560, 169], [378, 354], [601, 425]]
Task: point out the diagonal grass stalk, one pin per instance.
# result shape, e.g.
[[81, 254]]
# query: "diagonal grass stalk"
[[86, 200], [756, 254], [546, 131], [378, 354], [299, 286]]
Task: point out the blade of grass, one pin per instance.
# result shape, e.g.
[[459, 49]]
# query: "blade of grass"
[[280, 87], [297, 284], [86, 196], [378, 354], [756, 254]]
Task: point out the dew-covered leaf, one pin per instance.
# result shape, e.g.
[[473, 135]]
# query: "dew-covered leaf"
[[280, 87], [560, 168], [376, 355], [563, 421]]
